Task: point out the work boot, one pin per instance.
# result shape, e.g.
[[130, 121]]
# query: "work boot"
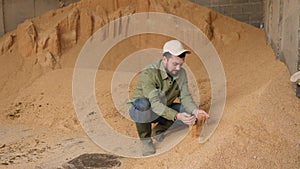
[[158, 132], [144, 131], [148, 147], [159, 137]]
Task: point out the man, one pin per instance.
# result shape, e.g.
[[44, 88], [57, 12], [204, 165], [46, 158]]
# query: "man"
[[159, 85]]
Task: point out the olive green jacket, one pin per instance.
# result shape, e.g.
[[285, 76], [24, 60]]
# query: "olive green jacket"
[[162, 90]]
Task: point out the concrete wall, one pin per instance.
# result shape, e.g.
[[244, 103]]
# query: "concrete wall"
[[282, 26], [1, 18], [248, 11], [14, 12]]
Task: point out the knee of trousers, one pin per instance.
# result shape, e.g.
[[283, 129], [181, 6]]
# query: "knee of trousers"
[[142, 104], [140, 111]]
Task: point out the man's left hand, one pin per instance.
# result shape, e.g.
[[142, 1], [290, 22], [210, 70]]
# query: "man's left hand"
[[200, 114]]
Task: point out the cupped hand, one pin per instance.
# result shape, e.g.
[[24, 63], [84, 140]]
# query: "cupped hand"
[[186, 118], [200, 114]]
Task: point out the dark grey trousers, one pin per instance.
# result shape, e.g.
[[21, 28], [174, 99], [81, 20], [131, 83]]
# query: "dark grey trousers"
[[141, 113]]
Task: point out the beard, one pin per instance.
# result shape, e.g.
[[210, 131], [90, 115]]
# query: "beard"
[[171, 73]]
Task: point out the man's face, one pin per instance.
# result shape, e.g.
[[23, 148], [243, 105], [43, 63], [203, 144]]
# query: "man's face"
[[173, 64]]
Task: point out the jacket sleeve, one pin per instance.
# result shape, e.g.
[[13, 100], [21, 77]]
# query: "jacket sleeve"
[[185, 96]]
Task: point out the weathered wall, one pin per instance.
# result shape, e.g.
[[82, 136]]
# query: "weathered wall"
[[282, 25], [248, 11], [1, 18], [14, 12]]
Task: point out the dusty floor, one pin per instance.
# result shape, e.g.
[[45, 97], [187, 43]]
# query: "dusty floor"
[[39, 127]]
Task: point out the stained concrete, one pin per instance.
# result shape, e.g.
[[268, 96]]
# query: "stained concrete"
[[14, 12], [282, 28]]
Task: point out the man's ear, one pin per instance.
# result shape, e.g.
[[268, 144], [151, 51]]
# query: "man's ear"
[[165, 59]]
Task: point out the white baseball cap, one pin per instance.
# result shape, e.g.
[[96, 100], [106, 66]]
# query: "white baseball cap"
[[174, 47]]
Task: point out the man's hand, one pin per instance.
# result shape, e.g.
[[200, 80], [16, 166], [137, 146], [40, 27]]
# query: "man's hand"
[[186, 118], [200, 114]]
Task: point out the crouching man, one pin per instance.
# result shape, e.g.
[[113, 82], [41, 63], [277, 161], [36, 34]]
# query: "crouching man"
[[160, 83]]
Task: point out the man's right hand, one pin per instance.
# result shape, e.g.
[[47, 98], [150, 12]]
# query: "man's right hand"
[[186, 118]]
